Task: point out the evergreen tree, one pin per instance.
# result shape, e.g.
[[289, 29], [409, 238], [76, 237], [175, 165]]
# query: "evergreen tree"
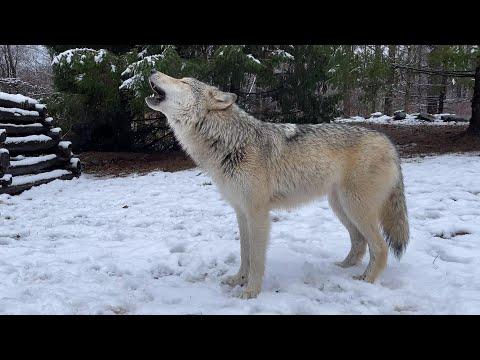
[[87, 101]]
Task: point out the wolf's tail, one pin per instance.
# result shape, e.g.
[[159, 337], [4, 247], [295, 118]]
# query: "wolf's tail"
[[394, 219]]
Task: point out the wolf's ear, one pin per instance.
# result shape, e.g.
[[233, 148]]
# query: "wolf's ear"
[[220, 100]]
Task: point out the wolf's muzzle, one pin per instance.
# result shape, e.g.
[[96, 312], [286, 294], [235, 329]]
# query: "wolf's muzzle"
[[159, 93]]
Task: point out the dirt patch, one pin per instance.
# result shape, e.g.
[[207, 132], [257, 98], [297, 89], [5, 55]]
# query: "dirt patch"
[[126, 163], [415, 140], [411, 141]]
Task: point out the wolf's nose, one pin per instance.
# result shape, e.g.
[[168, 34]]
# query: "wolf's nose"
[[153, 71]]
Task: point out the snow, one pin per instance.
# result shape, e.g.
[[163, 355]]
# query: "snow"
[[284, 54], [25, 179], [142, 53], [24, 139], [134, 71], [100, 56], [251, 57], [2, 150], [6, 178], [147, 60], [19, 112], [131, 82], [162, 242], [20, 99], [32, 160], [409, 120], [74, 162], [68, 55], [64, 144]]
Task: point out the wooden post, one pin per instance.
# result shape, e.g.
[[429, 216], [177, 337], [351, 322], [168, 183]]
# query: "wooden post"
[[5, 180], [64, 149], [474, 126], [49, 122], [4, 161]]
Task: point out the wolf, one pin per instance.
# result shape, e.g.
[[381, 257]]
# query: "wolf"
[[259, 166]]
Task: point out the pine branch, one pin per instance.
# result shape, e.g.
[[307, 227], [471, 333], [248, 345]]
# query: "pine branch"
[[428, 71]]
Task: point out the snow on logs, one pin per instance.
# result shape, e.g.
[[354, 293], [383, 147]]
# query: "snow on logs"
[[21, 130], [31, 148], [19, 116], [21, 183], [30, 143]]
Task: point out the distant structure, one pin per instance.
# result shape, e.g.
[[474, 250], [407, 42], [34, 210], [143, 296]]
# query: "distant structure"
[[31, 150]]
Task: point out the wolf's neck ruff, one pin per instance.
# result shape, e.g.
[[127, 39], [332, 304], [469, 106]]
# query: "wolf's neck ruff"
[[217, 139]]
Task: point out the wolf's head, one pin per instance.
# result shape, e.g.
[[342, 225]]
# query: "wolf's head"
[[186, 99]]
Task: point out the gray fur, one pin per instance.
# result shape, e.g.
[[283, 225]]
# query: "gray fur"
[[260, 166]]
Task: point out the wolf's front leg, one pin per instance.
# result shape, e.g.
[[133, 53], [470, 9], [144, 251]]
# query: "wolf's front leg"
[[241, 277], [258, 231]]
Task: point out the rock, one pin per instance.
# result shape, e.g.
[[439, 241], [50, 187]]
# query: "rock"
[[426, 117], [399, 115], [453, 118]]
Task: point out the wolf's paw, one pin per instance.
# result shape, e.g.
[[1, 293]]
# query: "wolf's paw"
[[234, 280], [345, 264], [250, 292], [365, 278]]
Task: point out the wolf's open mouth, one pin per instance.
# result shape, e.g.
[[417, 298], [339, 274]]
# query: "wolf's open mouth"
[[159, 93]]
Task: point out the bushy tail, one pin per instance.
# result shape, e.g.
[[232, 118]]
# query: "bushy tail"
[[394, 219]]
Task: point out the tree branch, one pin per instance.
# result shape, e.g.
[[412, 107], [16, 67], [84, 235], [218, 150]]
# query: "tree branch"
[[428, 71]]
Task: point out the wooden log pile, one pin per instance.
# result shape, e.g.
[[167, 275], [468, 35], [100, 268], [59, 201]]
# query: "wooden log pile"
[[31, 148]]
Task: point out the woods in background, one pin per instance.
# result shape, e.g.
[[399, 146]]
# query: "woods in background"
[[25, 69], [98, 92]]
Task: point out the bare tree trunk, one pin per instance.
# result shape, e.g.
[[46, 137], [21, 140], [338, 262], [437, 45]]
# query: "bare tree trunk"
[[378, 54], [388, 104], [420, 78], [433, 90], [408, 81], [10, 62], [347, 102], [443, 94], [474, 127], [13, 61]]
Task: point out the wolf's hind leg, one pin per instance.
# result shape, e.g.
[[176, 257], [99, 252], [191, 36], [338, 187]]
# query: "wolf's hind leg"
[[359, 244], [241, 277], [364, 213]]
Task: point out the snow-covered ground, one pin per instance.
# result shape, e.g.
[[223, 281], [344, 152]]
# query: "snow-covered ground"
[[410, 119], [161, 243]]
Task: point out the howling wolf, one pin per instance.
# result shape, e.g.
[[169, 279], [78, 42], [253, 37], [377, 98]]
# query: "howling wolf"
[[259, 166]]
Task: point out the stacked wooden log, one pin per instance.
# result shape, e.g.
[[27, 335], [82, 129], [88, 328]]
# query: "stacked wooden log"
[[31, 150]]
